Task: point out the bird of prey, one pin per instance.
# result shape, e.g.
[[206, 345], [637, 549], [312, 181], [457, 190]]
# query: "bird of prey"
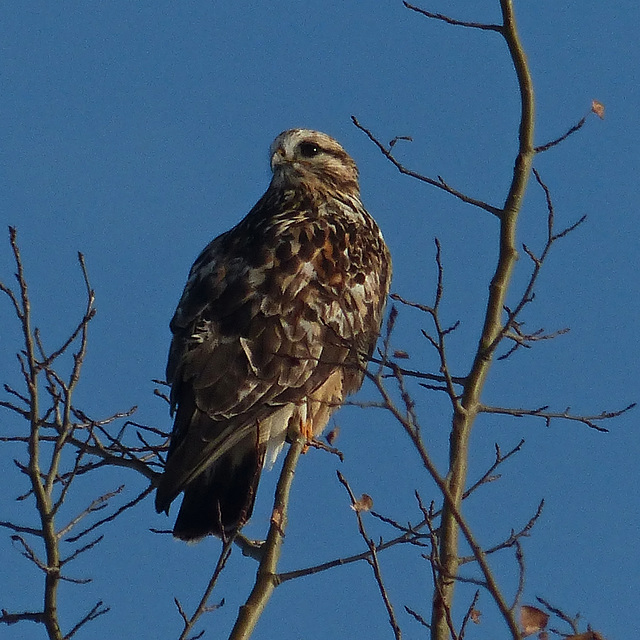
[[276, 324]]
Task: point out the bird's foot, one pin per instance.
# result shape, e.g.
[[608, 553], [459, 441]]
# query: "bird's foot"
[[306, 429]]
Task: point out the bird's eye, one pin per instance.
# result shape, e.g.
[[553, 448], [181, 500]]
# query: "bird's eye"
[[308, 149]]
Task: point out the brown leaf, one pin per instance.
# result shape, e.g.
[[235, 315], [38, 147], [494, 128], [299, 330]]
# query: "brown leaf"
[[364, 504], [333, 435], [400, 354], [532, 619], [474, 614], [598, 109]]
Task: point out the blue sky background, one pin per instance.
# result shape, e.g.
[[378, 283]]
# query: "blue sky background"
[[136, 132]]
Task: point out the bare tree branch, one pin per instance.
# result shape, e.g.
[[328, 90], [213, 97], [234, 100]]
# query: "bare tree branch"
[[63, 443], [267, 578], [464, 416], [542, 412], [58, 443], [439, 183]]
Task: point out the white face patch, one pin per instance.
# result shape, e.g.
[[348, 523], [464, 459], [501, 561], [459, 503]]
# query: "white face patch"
[[313, 158]]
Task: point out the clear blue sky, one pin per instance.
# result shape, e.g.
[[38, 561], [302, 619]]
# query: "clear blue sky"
[[136, 132]]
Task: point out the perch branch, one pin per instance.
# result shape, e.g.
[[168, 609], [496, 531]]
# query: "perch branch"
[[267, 578]]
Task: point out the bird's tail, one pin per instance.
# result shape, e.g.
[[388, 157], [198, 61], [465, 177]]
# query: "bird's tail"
[[221, 498]]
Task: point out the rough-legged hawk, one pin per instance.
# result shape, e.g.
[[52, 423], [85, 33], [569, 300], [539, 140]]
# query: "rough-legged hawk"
[[274, 328]]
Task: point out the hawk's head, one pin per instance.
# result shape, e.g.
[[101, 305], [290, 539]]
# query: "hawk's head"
[[313, 159]]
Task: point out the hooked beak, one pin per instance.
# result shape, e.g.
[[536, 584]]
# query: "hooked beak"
[[277, 158]]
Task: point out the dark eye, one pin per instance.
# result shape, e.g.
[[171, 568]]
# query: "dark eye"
[[308, 149]]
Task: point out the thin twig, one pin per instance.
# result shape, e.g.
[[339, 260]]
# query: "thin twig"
[[469, 615], [439, 183], [453, 21], [563, 137], [489, 476], [572, 622], [132, 503], [542, 412], [203, 606], [418, 617], [373, 561], [513, 539], [97, 610]]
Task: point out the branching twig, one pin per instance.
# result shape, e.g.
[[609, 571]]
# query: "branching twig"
[[489, 476], [439, 183], [543, 412], [132, 503], [98, 610], [571, 621], [454, 511], [512, 540], [59, 442], [203, 606], [13, 618], [373, 560], [511, 328]]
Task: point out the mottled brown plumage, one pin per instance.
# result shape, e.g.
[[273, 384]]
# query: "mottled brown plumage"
[[273, 330]]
